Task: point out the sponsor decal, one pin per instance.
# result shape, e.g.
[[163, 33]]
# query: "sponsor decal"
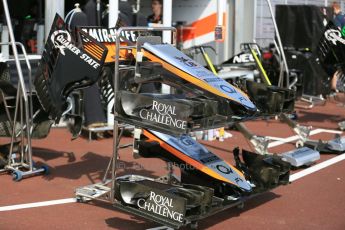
[[203, 73], [109, 35], [186, 140], [186, 61], [242, 99], [62, 40], [227, 170], [227, 89], [209, 159], [57, 42], [334, 36], [160, 205], [224, 169], [162, 113], [188, 145], [243, 58], [218, 34], [238, 180], [215, 79]]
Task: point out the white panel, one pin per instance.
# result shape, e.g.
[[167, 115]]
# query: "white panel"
[[167, 11], [244, 20], [51, 8], [190, 11], [113, 12]]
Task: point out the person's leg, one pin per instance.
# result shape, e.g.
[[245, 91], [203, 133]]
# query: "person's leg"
[[335, 80]]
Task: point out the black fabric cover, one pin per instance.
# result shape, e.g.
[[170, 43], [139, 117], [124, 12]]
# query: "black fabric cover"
[[126, 13], [301, 26], [90, 10], [315, 79]]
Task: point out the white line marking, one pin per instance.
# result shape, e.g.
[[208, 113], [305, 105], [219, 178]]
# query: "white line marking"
[[293, 177], [276, 138], [316, 131], [317, 167], [38, 204], [281, 141], [160, 228]]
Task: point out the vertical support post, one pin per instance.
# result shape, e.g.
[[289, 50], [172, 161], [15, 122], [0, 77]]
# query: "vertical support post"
[[116, 123], [40, 38], [244, 20], [221, 4], [167, 21], [51, 8], [40, 28], [220, 12], [113, 12], [113, 16], [98, 13], [230, 38], [279, 43], [21, 82], [254, 19], [4, 38], [14, 49]]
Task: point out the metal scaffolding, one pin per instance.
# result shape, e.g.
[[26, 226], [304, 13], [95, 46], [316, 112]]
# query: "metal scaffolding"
[[20, 164]]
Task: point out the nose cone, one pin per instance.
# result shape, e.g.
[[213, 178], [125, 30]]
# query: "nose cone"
[[245, 186], [249, 105], [234, 94], [244, 100]]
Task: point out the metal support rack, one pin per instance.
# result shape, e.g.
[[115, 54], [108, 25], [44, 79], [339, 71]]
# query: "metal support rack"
[[103, 129], [105, 190], [20, 164]]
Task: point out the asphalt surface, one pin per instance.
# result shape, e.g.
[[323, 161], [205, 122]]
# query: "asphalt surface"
[[316, 201]]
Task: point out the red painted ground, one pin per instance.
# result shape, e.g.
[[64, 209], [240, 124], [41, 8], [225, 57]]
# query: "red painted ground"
[[316, 201]]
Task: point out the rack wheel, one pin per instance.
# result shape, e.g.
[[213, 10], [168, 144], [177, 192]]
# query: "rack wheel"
[[193, 225], [80, 199], [17, 176], [299, 144], [45, 169], [294, 116]]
